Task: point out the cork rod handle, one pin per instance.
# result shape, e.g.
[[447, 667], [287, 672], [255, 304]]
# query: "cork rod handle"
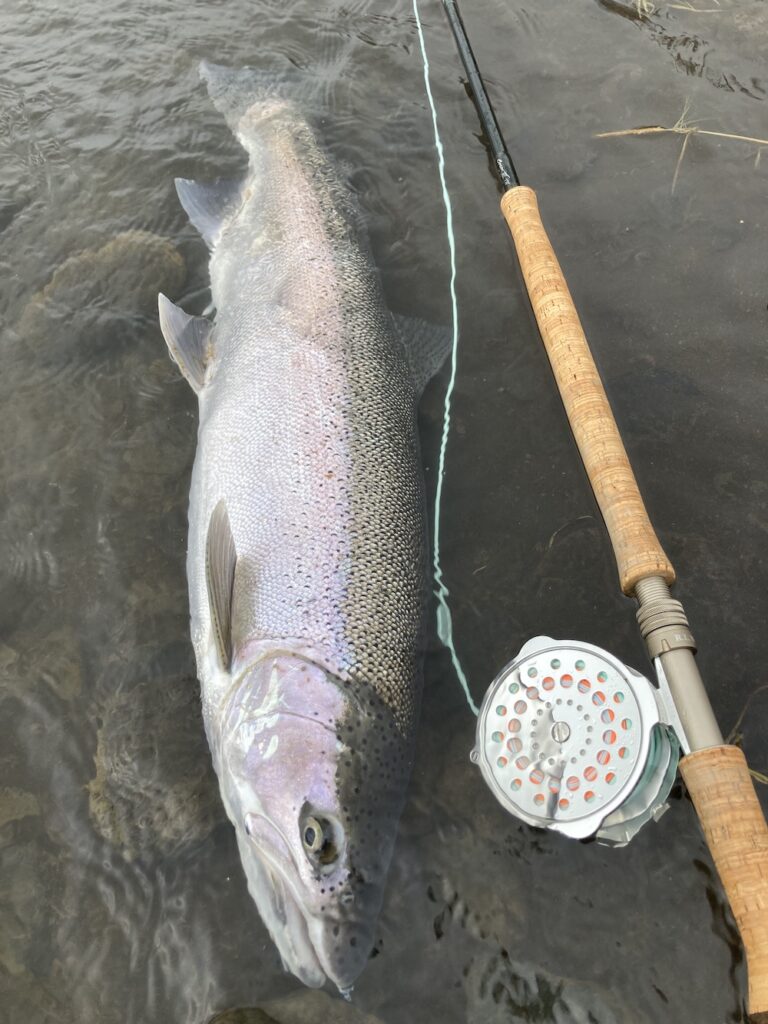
[[636, 548], [725, 800]]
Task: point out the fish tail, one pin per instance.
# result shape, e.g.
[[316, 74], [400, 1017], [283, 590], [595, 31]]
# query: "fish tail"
[[319, 89]]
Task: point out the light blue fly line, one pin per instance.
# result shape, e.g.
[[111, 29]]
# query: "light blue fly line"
[[444, 620]]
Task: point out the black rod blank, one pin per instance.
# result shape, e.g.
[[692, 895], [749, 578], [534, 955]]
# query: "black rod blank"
[[501, 158]]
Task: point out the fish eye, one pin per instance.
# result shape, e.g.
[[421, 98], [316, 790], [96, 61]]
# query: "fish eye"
[[318, 837], [313, 835]]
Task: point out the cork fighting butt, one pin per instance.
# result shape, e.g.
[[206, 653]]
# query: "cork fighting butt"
[[635, 545], [725, 800]]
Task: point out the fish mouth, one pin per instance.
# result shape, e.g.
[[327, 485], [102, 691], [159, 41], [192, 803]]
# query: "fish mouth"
[[296, 948], [299, 934]]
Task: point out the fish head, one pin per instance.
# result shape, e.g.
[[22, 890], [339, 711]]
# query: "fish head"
[[313, 771]]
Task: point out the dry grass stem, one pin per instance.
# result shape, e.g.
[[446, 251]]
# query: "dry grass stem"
[[687, 128], [679, 162], [695, 10], [737, 724], [646, 9], [735, 736]]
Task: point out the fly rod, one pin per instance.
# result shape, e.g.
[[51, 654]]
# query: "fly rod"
[[568, 737]]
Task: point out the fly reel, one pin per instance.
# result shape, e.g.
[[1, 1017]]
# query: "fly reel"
[[571, 739]]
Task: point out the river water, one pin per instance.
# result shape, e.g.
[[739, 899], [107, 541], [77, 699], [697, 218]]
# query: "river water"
[[121, 894]]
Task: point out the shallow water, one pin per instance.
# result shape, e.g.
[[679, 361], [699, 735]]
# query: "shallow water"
[[121, 895]]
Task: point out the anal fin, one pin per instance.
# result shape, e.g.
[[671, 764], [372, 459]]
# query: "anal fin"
[[426, 348]]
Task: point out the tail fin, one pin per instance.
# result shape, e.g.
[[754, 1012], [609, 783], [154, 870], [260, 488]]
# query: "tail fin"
[[322, 89]]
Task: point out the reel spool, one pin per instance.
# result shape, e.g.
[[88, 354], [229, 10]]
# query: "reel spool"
[[571, 739]]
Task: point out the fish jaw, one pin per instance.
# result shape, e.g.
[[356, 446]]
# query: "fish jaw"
[[294, 752], [315, 947]]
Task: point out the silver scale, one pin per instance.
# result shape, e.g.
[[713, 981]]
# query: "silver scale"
[[571, 739]]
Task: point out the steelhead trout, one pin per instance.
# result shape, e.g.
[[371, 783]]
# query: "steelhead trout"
[[307, 555]]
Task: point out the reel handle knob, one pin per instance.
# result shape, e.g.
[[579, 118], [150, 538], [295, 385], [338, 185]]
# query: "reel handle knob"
[[737, 836], [635, 544]]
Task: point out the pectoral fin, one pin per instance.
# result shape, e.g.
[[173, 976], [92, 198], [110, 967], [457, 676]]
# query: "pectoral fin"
[[426, 347], [188, 339], [220, 563]]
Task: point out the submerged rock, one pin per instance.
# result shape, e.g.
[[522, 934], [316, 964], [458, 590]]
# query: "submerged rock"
[[500, 991], [304, 1007], [243, 1015], [25, 996], [154, 788], [122, 276], [25, 874], [15, 804], [53, 660]]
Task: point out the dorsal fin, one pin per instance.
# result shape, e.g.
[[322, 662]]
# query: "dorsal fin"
[[188, 339], [220, 562], [426, 348], [209, 204]]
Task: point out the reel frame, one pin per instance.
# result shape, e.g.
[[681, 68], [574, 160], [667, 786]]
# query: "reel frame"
[[571, 739]]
